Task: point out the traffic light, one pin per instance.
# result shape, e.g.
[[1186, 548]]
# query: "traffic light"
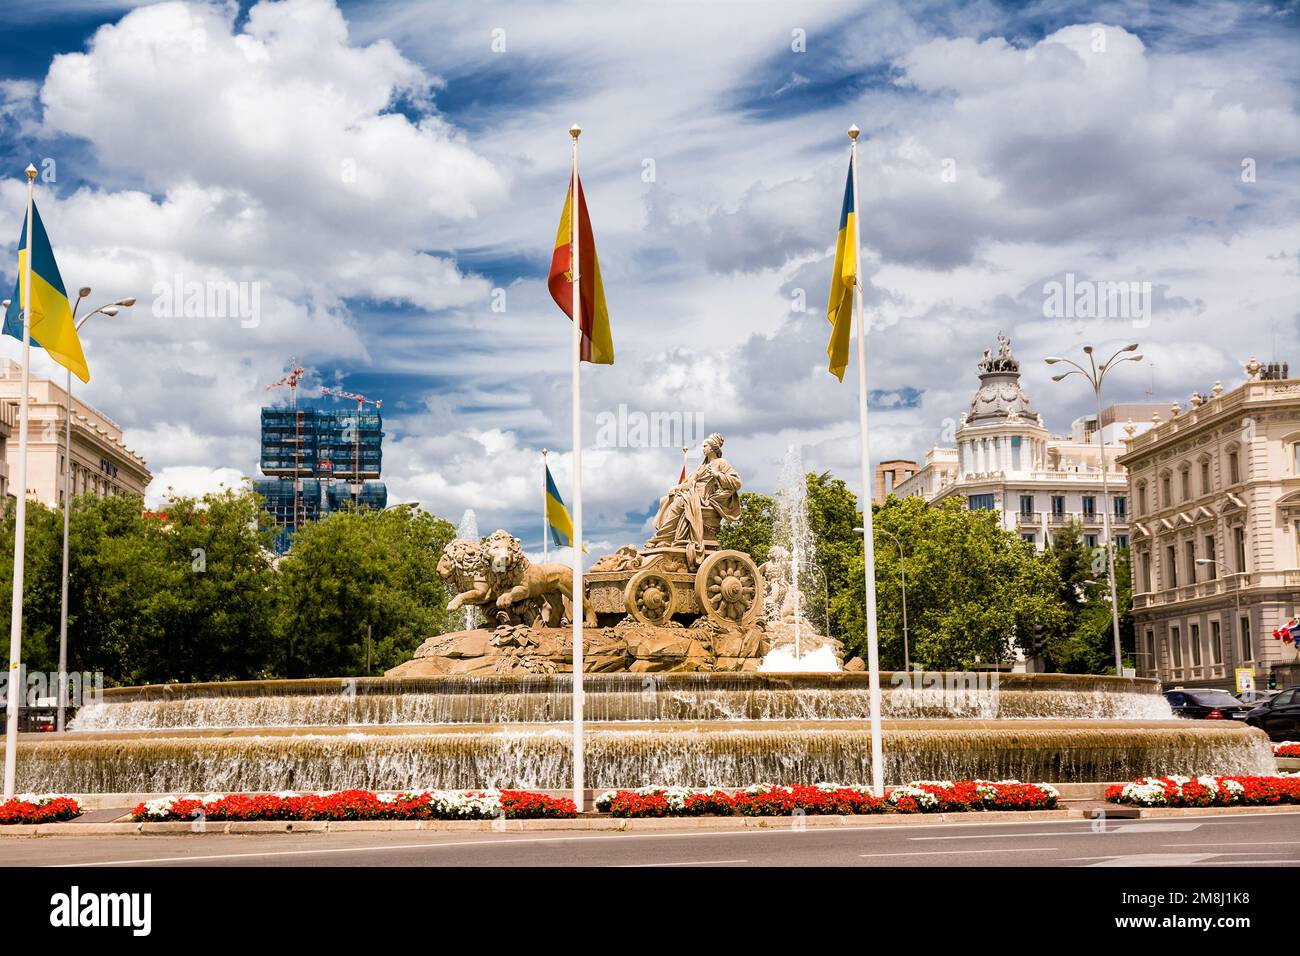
[[1272, 682]]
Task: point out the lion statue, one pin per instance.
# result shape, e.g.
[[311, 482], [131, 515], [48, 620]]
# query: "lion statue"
[[464, 569], [513, 580]]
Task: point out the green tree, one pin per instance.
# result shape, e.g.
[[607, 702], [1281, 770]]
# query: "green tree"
[[359, 571], [752, 531], [974, 590]]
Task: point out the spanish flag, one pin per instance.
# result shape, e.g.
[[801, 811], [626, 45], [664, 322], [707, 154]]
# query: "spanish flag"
[[52, 327], [557, 516], [597, 344], [839, 309]]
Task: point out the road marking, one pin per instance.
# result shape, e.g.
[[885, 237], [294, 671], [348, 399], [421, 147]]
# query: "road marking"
[[1025, 849], [634, 866], [1079, 831], [1242, 843]]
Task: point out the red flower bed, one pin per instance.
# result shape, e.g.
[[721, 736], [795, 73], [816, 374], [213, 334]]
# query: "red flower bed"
[[38, 810], [359, 805], [1207, 791], [1286, 749], [820, 801]]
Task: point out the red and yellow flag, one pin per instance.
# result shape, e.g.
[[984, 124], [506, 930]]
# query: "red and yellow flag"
[[597, 344]]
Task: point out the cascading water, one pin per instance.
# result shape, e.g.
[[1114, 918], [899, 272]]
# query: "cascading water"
[[797, 597], [468, 530], [728, 729]]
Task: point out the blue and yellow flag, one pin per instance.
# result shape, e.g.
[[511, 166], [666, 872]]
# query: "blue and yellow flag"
[[557, 516], [839, 309], [52, 326]]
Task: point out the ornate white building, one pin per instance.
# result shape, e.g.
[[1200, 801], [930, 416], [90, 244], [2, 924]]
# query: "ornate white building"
[[1007, 461], [1216, 532]]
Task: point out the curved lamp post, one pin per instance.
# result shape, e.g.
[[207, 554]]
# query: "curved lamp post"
[[1094, 375], [109, 309]]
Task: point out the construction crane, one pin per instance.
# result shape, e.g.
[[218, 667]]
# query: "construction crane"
[[361, 401], [290, 381]]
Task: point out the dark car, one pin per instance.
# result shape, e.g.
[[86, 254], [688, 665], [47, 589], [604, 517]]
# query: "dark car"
[[1206, 705], [1279, 717]]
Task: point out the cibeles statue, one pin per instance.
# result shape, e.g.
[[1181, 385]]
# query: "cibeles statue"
[[692, 511]]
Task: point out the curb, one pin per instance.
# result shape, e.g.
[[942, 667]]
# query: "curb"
[[619, 825]]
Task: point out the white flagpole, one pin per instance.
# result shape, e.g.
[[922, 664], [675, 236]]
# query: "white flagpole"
[[686, 458], [868, 540], [20, 516], [546, 525], [575, 213]]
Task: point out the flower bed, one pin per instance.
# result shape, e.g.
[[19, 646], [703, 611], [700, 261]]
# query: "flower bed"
[[358, 805], [38, 808], [1207, 791], [1287, 748], [925, 796]]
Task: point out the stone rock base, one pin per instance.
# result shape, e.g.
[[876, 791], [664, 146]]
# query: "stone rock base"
[[627, 647]]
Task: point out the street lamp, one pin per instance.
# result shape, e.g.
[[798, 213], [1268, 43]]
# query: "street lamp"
[[1095, 374], [902, 570], [109, 309]]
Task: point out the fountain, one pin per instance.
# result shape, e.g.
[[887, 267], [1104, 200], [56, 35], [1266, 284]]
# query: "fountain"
[[468, 530], [795, 583], [678, 642]]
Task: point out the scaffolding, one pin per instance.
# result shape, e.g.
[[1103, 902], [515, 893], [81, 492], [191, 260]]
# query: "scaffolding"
[[318, 461]]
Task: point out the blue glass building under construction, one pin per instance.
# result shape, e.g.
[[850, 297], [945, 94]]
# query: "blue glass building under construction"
[[318, 461]]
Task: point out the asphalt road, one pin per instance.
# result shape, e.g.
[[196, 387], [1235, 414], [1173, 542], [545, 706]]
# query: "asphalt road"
[[1248, 840]]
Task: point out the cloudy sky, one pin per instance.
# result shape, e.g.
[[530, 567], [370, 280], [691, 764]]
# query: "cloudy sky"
[[386, 178]]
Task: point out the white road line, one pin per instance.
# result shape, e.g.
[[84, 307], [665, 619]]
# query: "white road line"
[[1026, 849], [1108, 831], [633, 866], [1242, 843]]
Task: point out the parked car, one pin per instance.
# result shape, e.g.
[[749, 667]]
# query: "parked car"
[[1253, 698], [1279, 717], [1196, 704]]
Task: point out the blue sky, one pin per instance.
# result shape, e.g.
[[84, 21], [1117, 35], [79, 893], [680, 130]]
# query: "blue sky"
[[386, 178]]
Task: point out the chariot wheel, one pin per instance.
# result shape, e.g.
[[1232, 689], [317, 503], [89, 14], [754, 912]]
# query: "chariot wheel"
[[649, 597], [730, 588]]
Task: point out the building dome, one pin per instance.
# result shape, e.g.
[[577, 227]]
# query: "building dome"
[[1000, 398]]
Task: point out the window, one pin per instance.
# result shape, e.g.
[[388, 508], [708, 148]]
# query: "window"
[[1090, 506], [1234, 468], [1166, 495], [1189, 550], [1194, 635], [1171, 567], [1142, 498], [1212, 569], [1247, 652], [1121, 541], [1216, 642], [1017, 453], [1295, 458], [1152, 663], [1120, 506], [1239, 546], [1205, 477], [1144, 559], [1027, 506], [1090, 540], [980, 502], [1058, 505], [1186, 482], [1029, 537], [1176, 644]]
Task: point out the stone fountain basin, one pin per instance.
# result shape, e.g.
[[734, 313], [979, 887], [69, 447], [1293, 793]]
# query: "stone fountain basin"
[[631, 753], [620, 697]]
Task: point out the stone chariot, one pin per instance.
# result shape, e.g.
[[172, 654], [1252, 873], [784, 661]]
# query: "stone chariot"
[[682, 574]]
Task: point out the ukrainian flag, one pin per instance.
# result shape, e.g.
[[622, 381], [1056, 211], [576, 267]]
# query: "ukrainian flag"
[[557, 516], [839, 309], [52, 327]]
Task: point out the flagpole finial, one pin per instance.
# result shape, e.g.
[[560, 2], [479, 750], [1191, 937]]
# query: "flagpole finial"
[[543, 452], [853, 132], [575, 130], [30, 171]]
